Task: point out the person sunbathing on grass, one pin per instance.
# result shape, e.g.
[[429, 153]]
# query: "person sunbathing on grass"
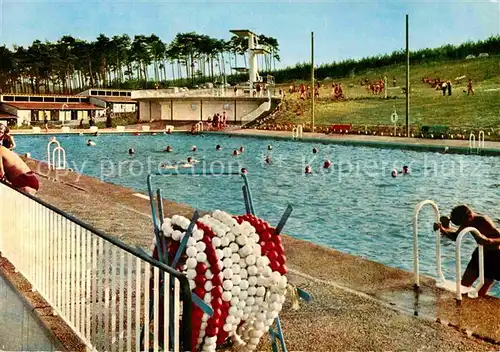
[[463, 217]]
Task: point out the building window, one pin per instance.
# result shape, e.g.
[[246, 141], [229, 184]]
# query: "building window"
[[54, 115], [123, 94], [36, 99], [74, 115], [93, 92], [101, 92], [48, 100], [116, 94], [8, 98], [73, 100], [34, 115], [22, 99]]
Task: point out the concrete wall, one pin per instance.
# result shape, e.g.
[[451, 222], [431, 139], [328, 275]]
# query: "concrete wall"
[[196, 110]]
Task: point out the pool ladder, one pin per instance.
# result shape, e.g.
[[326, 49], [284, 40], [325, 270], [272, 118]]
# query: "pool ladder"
[[297, 132], [472, 142], [61, 155], [441, 282]]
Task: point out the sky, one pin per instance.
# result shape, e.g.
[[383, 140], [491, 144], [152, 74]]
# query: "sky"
[[342, 29]]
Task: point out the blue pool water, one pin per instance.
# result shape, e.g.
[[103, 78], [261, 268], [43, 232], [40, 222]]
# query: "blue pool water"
[[355, 207]]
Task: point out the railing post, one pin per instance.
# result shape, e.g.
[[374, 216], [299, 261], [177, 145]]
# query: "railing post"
[[458, 264], [416, 261]]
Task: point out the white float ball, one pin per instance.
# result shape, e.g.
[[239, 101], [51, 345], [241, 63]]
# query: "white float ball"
[[191, 274], [224, 241], [243, 263], [208, 274], [219, 253], [176, 235], [201, 246], [230, 319], [231, 236], [246, 311], [234, 247], [227, 285], [256, 334], [255, 237], [234, 301], [250, 347], [252, 270], [236, 269], [236, 279], [252, 290], [232, 310], [243, 273], [266, 271], [208, 298], [235, 291], [257, 251], [259, 300], [227, 252], [227, 327], [228, 263], [262, 281], [235, 257], [197, 235], [251, 259], [275, 306], [274, 298], [191, 251], [255, 308], [243, 294], [244, 284], [261, 261], [260, 316], [203, 324], [228, 273], [247, 250], [216, 242], [259, 325], [260, 291], [252, 280], [208, 286], [191, 262], [226, 296], [242, 240], [201, 257], [192, 284], [275, 277]]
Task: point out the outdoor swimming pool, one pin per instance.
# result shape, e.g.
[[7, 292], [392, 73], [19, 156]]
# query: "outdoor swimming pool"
[[355, 206]]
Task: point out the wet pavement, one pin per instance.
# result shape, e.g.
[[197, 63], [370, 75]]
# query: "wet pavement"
[[357, 304], [19, 328]]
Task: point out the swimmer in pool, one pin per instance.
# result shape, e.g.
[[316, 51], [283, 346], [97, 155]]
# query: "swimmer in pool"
[[315, 150], [308, 170], [268, 160], [463, 217], [131, 151], [242, 149], [193, 149], [168, 149], [327, 164], [394, 173], [269, 147], [235, 152], [90, 143], [218, 147], [406, 170], [243, 170]]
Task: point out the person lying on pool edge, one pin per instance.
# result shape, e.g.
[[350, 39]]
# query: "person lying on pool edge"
[[463, 217]]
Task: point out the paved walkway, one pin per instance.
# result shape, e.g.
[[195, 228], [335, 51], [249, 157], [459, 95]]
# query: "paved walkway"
[[19, 329], [368, 138], [358, 305]]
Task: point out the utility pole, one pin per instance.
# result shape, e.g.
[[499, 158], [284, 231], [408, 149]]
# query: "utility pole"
[[312, 80], [407, 79]]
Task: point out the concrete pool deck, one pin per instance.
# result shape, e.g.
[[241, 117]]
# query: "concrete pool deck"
[[357, 304]]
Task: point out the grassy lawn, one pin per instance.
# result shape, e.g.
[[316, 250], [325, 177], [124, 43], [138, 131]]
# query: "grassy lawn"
[[427, 106]]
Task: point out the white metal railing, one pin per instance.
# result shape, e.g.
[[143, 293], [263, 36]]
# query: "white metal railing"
[[99, 286], [61, 155], [480, 142], [441, 281], [473, 293], [297, 132]]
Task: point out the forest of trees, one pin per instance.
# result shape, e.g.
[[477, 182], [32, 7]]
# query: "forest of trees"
[[71, 65], [348, 67]]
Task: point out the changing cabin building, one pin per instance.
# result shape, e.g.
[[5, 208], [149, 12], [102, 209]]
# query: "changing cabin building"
[[116, 100], [33, 109]]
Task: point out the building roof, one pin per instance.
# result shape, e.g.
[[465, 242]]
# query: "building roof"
[[114, 99], [6, 115], [52, 106]]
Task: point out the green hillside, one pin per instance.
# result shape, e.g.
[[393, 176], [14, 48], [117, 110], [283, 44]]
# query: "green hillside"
[[427, 105]]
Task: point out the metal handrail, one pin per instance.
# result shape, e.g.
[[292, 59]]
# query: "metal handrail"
[[458, 245], [416, 261], [183, 281]]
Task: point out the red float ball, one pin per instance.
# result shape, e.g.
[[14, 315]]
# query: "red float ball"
[[200, 292], [217, 291], [211, 331], [283, 270], [265, 236], [217, 279], [201, 268], [281, 259], [200, 279], [272, 256]]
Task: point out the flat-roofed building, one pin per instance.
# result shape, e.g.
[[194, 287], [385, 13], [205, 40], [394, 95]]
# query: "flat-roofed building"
[[117, 100], [32, 109]]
